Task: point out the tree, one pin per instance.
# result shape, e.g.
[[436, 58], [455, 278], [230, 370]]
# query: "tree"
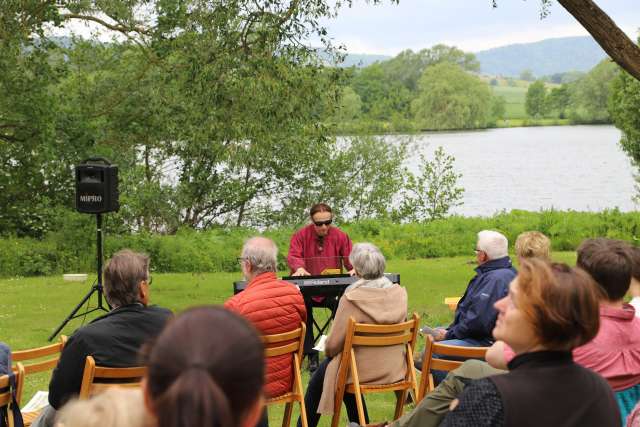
[[450, 98], [558, 100], [535, 99], [433, 193], [624, 105], [350, 105], [590, 94], [527, 75], [604, 30]]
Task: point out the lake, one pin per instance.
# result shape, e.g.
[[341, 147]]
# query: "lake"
[[580, 168]]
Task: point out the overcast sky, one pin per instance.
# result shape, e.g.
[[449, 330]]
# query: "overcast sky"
[[471, 25]]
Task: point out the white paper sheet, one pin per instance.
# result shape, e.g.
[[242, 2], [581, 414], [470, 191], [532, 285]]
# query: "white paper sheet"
[[37, 402]]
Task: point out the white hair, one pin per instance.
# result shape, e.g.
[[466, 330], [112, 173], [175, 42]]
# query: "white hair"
[[492, 243], [261, 253], [368, 261]]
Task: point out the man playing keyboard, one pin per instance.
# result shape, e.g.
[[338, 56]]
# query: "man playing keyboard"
[[316, 249]]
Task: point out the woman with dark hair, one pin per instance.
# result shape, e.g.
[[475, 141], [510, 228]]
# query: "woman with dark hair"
[[550, 310], [205, 369]]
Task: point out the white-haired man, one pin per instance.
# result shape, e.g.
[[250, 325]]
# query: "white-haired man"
[[475, 315]]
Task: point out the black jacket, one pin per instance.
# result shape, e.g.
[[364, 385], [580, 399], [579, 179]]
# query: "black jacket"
[[113, 340]]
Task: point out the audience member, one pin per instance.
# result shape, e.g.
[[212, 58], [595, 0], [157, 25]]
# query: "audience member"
[[113, 339], [475, 315], [371, 299], [115, 407], [550, 310], [533, 244], [273, 306], [205, 369]]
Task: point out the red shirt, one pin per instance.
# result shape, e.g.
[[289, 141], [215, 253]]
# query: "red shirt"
[[308, 250]]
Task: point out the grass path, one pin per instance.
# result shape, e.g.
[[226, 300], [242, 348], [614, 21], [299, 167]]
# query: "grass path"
[[30, 308]]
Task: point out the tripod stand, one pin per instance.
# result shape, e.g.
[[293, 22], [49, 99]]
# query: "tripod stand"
[[97, 286]]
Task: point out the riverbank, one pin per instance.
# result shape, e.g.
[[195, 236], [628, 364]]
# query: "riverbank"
[[215, 250]]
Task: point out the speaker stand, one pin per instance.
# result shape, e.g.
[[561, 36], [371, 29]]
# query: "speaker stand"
[[96, 288]]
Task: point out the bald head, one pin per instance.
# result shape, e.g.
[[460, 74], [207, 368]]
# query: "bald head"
[[260, 255]]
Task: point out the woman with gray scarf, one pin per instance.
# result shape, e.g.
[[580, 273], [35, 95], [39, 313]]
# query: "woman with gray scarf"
[[372, 299]]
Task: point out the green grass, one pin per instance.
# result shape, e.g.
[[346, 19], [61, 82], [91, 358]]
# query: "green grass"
[[30, 308], [514, 97]]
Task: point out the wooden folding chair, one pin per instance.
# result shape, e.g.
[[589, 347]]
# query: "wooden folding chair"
[[367, 335], [429, 362], [6, 391], [289, 343], [96, 379], [36, 360]]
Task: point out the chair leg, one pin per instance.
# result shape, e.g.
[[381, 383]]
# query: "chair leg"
[[303, 414], [286, 418], [360, 408], [401, 398]]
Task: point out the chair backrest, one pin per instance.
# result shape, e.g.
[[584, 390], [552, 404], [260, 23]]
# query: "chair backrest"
[[429, 363], [285, 343], [44, 362], [98, 378], [6, 391], [368, 335]]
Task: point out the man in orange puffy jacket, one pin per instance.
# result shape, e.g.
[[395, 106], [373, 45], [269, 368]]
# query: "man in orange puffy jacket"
[[273, 306]]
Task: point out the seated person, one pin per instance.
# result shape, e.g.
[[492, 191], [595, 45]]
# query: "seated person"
[[273, 306], [113, 339], [371, 299], [115, 407], [318, 247], [551, 309], [532, 244], [615, 351], [475, 315], [205, 369]]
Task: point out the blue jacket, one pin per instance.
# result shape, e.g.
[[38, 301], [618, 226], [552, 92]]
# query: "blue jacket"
[[475, 315]]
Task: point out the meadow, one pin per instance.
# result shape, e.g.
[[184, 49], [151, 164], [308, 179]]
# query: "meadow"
[[30, 308]]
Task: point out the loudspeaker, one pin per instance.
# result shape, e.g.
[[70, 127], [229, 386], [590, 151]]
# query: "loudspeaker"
[[97, 186]]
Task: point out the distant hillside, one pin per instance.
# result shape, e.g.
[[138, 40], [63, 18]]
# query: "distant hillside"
[[542, 58], [358, 60]]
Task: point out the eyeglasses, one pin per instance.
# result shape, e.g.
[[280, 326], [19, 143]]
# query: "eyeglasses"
[[321, 223], [476, 250], [149, 280], [241, 259]]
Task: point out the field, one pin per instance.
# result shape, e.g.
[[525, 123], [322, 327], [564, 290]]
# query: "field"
[[514, 97], [30, 308]]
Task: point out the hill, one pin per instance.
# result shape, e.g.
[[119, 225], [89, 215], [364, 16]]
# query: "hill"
[[542, 58]]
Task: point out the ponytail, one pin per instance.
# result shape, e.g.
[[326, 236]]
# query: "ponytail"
[[206, 369], [194, 399]]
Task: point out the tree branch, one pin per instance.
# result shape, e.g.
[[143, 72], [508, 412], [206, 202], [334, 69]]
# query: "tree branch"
[[608, 35], [120, 28]]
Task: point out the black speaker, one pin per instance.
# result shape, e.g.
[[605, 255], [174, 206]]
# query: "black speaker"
[[97, 186]]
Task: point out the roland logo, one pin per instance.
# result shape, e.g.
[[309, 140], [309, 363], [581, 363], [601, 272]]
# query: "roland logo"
[[91, 198], [317, 282]]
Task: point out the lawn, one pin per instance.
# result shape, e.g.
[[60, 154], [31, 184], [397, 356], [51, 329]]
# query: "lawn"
[[30, 308]]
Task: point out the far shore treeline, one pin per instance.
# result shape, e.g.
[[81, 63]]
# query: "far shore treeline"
[[216, 250]]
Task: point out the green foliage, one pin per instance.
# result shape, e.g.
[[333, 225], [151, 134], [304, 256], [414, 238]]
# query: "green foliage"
[[535, 100], [433, 193], [216, 249], [450, 98], [590, 94], [558, 100], [527, 75]]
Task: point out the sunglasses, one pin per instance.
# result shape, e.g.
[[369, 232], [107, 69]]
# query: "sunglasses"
[[321, 223]]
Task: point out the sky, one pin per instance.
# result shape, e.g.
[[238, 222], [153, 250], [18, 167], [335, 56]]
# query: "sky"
[[471, 25]]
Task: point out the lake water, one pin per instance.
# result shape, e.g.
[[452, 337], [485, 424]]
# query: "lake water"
[[581, 168]]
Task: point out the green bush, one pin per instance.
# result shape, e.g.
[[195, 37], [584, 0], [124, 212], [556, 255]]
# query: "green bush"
[[72, 249]]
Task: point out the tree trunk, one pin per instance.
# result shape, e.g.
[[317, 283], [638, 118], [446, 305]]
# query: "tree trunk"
[[608, 35]]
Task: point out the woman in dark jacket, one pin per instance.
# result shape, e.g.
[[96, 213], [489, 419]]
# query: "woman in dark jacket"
[[550, 309]]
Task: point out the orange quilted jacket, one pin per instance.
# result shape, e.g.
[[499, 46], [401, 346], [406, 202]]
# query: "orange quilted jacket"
[[273, 306]]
